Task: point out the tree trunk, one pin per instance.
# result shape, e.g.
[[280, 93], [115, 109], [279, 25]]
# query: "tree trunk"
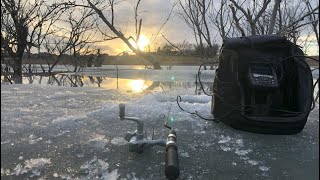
[[17, 70], [273, 16]]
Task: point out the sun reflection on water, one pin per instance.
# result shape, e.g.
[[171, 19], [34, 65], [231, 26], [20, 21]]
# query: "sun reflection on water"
[[130, 85], [138, 85]]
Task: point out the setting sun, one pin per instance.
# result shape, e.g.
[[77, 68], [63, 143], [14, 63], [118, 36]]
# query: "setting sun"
[[142, 43]]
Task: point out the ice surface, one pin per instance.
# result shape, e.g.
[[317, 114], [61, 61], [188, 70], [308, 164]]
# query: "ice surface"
[[74, 133]]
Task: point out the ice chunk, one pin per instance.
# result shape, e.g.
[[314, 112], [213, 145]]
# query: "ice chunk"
[[243, 152], [97, 167], [113, 175], [184, 154], [239, 142], [224, 139], [19, 169], [253, 162], [118, 141], [35, 166], [225, 148], [264, 168]]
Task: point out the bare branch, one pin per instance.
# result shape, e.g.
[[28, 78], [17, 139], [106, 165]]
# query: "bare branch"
[[172, 44], [273, 16], [236, 20], [163, 24]]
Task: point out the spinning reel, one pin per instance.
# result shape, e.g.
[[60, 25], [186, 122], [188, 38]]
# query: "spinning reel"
[[138, 142]]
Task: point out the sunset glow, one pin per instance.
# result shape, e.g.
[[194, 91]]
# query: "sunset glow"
[[142, 43]]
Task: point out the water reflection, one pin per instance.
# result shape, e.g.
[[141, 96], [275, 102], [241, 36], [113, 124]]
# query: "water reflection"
[[138, 85], [129, 85]]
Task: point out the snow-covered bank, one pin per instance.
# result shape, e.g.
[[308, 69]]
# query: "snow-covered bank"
[[73, 133]]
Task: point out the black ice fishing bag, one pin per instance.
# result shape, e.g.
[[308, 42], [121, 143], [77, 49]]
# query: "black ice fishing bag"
[[263, 84]]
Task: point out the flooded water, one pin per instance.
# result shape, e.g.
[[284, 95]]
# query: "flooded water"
[[126, 78]]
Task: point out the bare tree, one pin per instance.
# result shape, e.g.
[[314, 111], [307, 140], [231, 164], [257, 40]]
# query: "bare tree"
[[56, 47], [72, 40], [273, 16], [185, 48], [314, 19], [290, 18], [116, 31], [42, 29], [197, 15], [82, 32], [191, 14], [18, 18], [220, 17], [251, 14]]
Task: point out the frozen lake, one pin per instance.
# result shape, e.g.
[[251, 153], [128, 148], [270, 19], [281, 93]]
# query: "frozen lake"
[[61, 132]]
